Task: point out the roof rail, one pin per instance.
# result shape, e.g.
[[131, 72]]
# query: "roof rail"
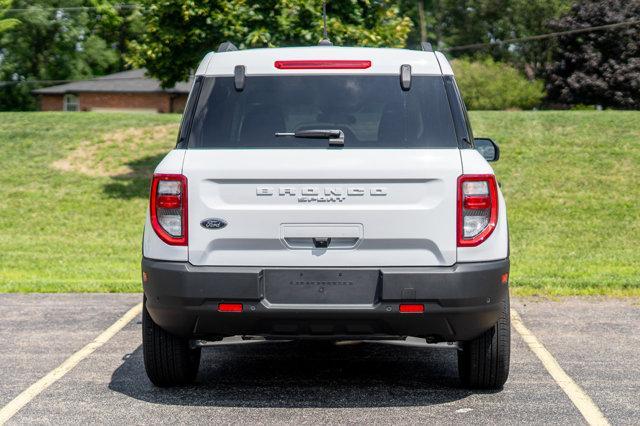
[[426, 46], [227, 46]]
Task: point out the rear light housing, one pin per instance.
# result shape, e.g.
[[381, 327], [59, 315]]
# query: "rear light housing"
[[477, 208], [335, 64], [168, 208]]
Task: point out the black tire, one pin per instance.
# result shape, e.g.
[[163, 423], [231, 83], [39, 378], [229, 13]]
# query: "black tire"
[[483, 363], [168, 360]]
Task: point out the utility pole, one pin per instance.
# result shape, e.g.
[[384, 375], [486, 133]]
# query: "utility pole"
[[423, 23]]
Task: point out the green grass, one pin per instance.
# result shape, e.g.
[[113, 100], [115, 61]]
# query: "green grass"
[[571, 180], [66, 231]]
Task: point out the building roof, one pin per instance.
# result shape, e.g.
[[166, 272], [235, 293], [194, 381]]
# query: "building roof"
[[133, 81]]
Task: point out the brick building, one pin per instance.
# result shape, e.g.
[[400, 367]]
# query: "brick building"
[[123, 91]]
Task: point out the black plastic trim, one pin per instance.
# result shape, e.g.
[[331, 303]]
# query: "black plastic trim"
[[461, 301], [405, 77], [187, 115], [460, 121], [239, 77], [426, 46], [227, 46]]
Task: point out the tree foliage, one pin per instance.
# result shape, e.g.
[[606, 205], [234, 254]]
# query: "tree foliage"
[[6, 23], [178, 33], [56, 44], [169, 37], [599, 67], [462, 22]]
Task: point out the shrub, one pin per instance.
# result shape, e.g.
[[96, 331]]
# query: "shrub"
[[490, 85], [597, 67]]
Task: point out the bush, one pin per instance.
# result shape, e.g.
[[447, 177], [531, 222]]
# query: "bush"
[[598, 67], [489, 85]]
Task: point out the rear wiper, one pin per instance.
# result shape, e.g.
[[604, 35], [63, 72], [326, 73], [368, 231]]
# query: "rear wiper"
[[336, 137]]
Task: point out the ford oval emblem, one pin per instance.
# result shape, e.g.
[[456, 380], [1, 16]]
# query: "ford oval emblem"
[[213, 223]]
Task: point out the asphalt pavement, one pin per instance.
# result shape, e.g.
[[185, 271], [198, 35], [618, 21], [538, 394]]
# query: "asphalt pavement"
[[595, 341]]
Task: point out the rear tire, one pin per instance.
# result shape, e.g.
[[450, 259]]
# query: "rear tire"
[[168, 360], [483, 363]]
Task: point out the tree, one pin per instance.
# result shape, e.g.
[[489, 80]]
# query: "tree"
[[118, 27], [599, 67], [177, 34], [463, 22], [56, 44], [6, 23]]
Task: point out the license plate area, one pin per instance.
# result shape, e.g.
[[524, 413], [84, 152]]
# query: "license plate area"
[[321, 286]]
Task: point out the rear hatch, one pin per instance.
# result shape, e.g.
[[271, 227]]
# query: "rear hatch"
[[385, 198]]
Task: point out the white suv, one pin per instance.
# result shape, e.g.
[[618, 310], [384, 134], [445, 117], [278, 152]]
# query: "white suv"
[[326, 192]]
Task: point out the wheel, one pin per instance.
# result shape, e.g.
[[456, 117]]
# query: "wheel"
[[483, 363], [168, 360]]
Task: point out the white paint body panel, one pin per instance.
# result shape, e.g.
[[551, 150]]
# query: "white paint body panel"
[[152, 246], [413, 224], [445, 66], [402, 213], [261, 61], [497, 245]]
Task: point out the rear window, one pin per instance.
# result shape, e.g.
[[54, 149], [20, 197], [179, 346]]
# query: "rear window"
[[372, 111]]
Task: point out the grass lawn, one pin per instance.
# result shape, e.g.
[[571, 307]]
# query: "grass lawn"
[[74, 195]]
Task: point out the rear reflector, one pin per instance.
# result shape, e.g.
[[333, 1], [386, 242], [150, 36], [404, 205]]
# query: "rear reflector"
[[505, 278], [229, 307], [411, 308], [323, 65]]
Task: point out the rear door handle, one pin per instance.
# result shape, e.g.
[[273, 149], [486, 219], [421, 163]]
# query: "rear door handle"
[[321, 242]]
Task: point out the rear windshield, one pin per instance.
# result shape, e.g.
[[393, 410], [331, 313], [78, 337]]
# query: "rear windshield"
[[372, 111]]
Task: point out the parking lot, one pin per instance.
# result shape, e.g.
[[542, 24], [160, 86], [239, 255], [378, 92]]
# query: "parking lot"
[[596, 342]]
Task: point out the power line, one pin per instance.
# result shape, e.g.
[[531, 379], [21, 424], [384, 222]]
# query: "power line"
[[72, 8], [541, 36], [448, 49]]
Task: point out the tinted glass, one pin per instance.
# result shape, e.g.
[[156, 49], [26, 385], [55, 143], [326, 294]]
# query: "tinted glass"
[[372, 111]]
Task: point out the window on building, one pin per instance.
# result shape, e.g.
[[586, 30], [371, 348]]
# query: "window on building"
[[71, 103]]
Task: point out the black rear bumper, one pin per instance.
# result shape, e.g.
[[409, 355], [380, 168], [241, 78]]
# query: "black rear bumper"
[[461, 302]]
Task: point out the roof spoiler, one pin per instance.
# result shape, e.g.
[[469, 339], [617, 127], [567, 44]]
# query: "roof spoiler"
[[227, 46]]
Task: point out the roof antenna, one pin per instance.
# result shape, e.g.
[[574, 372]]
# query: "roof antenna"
[[325, 38]]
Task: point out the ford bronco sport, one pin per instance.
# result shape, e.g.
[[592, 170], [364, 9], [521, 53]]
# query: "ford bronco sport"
[[326, 192]]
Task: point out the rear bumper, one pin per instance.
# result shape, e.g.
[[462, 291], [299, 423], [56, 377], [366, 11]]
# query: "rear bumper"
[[461, 302]]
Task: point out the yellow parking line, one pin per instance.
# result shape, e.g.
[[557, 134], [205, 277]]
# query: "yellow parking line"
[[580, 399], [35, 389]]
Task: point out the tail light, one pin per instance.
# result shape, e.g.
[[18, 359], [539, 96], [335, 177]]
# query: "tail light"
[[168, 208], [477, 208]]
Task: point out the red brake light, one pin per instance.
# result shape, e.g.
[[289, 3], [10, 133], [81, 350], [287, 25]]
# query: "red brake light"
[[412, 308], [169, 201], [477, 208], [168, 208], [323, 65], [229, 307]]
